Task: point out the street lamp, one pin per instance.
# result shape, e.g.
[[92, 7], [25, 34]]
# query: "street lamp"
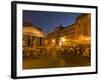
[[60, 43], [53, 40], [63, 39]]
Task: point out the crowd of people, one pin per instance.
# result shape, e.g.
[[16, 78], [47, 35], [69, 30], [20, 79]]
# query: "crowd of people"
[[63, 51], [71, 51]]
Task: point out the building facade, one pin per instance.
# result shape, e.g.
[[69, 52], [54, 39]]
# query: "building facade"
[[69, 31], [79, 31], [53, 37], [83, 25], [33, 38]]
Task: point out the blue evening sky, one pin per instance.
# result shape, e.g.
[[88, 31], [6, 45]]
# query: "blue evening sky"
[[49, 20]]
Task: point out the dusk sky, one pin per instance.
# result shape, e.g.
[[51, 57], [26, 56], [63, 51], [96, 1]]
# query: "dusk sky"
[[47, 21]]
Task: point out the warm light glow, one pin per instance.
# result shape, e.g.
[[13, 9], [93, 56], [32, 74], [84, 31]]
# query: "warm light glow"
[[84, 38], [53, 41], [60, 44], [87, 38], [81, 37], [63, 39]]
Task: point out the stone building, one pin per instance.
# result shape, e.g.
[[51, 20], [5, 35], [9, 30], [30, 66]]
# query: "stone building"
[[83, 25], [53, 37], [33, 38], [32, 35], [78, 31], [69, 31]]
